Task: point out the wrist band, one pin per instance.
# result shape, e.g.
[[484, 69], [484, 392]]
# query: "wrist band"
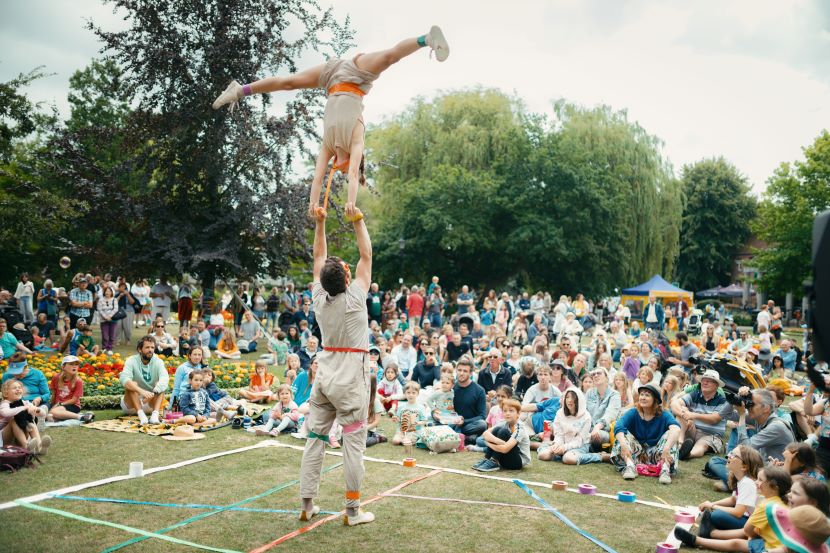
[[356, 218]]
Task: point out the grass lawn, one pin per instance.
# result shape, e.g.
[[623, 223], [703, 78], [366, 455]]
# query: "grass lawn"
[[80, 455]]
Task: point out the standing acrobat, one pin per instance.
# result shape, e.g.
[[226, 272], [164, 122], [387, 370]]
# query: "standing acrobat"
[[341, 387], [346, 82]]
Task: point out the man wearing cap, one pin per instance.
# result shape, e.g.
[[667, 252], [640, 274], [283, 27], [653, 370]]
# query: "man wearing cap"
[[80, 302], [494, 373], [145, 379], [36, 388], [702, 414]]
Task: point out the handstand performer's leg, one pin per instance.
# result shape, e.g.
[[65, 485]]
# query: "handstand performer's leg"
[[378, 62], [355, 158], [235, 91]]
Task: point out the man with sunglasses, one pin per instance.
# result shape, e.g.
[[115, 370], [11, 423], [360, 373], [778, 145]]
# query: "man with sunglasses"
[[341, 386], [493, 373]]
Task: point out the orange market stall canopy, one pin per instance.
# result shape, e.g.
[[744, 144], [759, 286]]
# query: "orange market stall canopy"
[[657, 287]]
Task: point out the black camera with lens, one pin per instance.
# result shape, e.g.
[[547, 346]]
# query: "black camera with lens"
[[738, 400]]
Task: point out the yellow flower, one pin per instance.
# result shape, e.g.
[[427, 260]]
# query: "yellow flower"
[[238, 379], [226, 377], [100, 387]]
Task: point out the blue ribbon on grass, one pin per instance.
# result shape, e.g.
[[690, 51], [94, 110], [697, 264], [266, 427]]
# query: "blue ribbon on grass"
[[216, 512], [555, 512]]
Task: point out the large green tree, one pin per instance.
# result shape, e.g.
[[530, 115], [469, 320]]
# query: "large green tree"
[[205, 192], [717, 214], [473, 187], [795, 194]]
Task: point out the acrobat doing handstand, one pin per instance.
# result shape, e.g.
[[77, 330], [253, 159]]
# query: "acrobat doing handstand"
[[346, 82]]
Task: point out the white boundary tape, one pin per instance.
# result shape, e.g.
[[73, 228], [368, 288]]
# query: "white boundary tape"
[[672, 508], [71, 489]]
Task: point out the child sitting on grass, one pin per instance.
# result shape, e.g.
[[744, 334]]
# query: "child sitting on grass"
[[390, 389], [571, 430], [67, 391], [259, 390], [86, 343], [773, 483], [508, 444], [17, 419], [440, 403], [494, 417], [410, 414], [541, 412], [373, 437], [292, 368], [284, 415], [221, 403], [194, 401]]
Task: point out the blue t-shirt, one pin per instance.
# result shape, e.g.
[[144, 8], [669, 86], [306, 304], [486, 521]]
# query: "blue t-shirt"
[[546, 412], [34, 385], [464, 308], [788, 358], [648, 433], [301, 388], [9, 344]]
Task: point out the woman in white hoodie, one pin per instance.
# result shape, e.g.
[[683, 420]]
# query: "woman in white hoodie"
[[571, 430]]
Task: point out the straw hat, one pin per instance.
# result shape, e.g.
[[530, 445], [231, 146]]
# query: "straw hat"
[[803, 529], [184, 432], [712, 374]]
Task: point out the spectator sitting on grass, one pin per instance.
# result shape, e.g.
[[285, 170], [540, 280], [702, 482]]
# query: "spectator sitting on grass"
[[67, 390], [571, 430], [195, 403], [145, 380], [470, 403], [508, 444]]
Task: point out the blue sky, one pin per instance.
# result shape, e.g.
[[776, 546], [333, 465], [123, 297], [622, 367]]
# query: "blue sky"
[[746, 80]]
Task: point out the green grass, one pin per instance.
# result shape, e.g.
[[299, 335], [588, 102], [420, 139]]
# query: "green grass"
[[80, 455]]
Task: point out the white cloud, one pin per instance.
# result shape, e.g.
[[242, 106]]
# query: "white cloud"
[[746, 80]]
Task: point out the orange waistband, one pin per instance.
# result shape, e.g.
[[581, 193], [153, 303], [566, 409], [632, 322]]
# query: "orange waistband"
[[348, 350], [351, 88]]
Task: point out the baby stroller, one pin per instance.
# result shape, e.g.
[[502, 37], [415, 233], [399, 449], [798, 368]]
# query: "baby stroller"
[[695, 322]]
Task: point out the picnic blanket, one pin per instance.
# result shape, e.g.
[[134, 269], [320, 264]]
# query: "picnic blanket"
[[130, 424]]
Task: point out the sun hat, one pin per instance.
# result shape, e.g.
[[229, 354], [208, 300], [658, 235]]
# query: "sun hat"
[[558, 362], [183, 433], [375, 349], [803, 529], [16, 367], [754, 352], [651, 388], [70, 359], [712, 374]]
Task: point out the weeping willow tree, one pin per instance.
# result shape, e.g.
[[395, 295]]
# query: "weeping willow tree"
[[474, 188]]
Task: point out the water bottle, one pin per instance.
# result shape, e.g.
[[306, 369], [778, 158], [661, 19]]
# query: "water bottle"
[[246, 422]]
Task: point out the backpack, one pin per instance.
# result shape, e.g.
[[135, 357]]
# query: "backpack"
[[13, 457], [440, 439]]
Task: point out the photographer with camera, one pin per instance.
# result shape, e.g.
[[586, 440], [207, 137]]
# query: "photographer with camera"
[[772, 437], [821, 408]]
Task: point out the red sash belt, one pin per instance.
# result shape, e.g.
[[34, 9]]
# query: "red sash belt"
[[347, 350]]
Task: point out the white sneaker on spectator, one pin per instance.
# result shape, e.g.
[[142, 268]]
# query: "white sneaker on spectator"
[[142, 417], [45, 442], [629, 472], [154, 418]]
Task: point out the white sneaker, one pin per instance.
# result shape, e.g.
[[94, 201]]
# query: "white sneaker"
[[665, 477], [45, 442], [299, 435], [231, 96], [154, 418], [305, 516], [436, 41], [629, 472], [33, 445], [142, 417], [362, 517]]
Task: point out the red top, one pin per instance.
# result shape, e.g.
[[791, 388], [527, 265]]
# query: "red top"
[[63, 391], [415, 305]]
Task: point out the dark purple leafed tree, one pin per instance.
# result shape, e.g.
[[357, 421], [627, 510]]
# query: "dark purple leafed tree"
[[216, 194]]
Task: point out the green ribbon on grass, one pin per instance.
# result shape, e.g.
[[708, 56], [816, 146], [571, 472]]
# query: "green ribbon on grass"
[[216, 512], [129, 529]]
